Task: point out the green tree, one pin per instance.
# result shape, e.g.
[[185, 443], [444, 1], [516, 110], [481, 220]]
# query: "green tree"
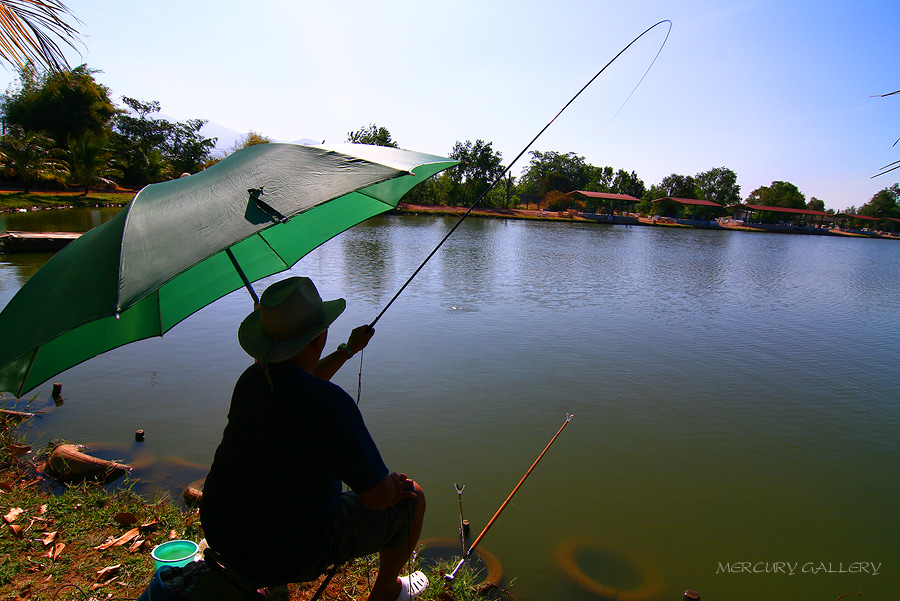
[[185, 148], [479, 166], [647, 207], [628, 183], [508, 186], [29, 30], [779, 194], [63, 104], [372, 134], [251, 138], [433, 191], [558, 201], [719, 184], [680, 186], [152, 148], [885, 203], [600, 179], [91, 162], [816, 204], [548, 171], [30, 157]]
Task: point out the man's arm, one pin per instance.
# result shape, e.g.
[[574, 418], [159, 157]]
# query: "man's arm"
[[328, 365], [387, 493]]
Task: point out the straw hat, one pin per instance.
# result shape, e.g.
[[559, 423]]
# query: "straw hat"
[[291, 313]]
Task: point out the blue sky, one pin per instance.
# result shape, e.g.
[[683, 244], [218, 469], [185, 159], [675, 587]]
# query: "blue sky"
[[775, 90]]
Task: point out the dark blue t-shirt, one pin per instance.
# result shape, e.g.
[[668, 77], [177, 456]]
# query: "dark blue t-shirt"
[[273, 491]]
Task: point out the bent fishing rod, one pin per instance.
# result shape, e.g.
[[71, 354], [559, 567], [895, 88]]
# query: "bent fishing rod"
[[524, 150], [449, 577]]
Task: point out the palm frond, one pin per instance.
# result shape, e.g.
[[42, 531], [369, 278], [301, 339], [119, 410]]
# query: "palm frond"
[[30, 31]]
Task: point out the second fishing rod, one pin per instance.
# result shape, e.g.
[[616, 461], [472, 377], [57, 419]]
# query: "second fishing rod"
[[449, 578]]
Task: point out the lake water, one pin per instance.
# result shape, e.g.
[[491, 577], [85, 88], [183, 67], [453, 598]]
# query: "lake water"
[[736, 398]]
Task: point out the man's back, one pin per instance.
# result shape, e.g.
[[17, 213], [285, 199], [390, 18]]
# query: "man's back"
[[273, 491]]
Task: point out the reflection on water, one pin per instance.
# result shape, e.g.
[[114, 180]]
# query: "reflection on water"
[[18, 269], [735, 395], [366, 258], [56, 220]]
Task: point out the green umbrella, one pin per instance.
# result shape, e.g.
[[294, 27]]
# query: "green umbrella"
[[182, 244]]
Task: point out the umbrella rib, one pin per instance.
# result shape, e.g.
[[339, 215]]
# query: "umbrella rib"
[[27, 372], [275, 252], [362, 191]]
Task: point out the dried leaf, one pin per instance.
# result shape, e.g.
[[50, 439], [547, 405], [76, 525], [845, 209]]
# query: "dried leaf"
[[172, 535], [49, 537], [117, 542], [43, 509], [108, 572], [5, 487], [140, 544], [150, 524], [13, 514], [97, 585], [125, 518], [16, 530], [56, 550], [24, 593], [18, 450]]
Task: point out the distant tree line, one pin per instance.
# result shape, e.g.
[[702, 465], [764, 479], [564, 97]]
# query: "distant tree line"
[[61, 126], [550, 176]]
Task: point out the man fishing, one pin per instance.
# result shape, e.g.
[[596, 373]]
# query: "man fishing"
[[272, 504]]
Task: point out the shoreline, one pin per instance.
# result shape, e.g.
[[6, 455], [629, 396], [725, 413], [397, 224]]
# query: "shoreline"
[[545, 215], [39, 200]]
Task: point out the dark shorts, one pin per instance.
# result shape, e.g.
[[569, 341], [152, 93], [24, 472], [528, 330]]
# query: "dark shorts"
[[360, 531]]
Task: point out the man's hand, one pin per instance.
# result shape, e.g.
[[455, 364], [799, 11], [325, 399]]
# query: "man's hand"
[[403, 487], [359, 338], [327, 366], [387, 493]]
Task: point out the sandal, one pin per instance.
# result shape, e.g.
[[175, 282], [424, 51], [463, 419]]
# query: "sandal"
[[412, 586]]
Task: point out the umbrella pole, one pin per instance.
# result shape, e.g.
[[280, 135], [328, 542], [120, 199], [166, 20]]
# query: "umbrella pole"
[[244, 279]]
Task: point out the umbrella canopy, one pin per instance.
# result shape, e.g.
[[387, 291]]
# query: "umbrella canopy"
[[180, 245]]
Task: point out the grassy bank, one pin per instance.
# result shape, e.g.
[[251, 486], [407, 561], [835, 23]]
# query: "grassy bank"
[[86, 541], [15, 200], [53, 540]]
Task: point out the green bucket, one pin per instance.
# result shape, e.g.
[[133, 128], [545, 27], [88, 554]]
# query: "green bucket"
[[174, 553]]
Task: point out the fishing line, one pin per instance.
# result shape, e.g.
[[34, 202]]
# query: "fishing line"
[[524, 150], [658, 52]]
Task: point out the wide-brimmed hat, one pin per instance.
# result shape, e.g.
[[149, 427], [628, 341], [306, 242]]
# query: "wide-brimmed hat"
[[291, 313]]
